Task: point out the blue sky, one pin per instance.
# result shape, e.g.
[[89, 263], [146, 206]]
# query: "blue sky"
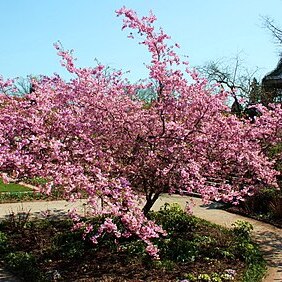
[[205, 29]]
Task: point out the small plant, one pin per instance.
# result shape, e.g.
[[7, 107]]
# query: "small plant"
[[189, 277], [164, 264], [204, 277], [134, 248], [23, 264], [3, 243], [179, 250], [242, 229], [18, 221], [228, 275]]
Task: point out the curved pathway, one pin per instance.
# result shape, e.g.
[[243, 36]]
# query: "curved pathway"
[[268, 236]]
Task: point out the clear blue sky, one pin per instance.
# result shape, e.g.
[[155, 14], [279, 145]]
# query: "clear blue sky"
[[205, 29]]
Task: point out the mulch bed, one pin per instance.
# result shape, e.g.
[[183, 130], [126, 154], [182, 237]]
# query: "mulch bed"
[[106, 264]]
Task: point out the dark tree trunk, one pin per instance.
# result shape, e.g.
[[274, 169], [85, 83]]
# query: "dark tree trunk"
[[150, 200]]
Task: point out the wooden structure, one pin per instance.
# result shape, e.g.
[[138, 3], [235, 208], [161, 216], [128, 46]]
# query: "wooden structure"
[[272, 85]]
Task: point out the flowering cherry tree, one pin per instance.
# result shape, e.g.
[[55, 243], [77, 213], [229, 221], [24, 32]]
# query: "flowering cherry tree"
[[93, 137]]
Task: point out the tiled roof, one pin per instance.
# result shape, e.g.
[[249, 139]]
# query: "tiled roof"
[[276, 74]]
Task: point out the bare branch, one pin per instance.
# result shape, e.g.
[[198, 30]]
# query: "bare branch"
[[230, 74], [276, 31]]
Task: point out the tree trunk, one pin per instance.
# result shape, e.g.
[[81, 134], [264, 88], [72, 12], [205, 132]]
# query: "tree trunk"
[[150, 200]]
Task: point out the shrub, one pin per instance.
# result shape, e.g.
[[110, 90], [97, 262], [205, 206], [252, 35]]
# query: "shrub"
[[255, 271], [24, 265], [179, 250], [174, 219], [3, 243], [242, 229]]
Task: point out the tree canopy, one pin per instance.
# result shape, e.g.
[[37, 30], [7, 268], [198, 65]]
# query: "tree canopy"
[[94, 137]]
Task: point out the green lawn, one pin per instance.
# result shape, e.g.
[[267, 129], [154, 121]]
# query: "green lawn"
[[12, 187]]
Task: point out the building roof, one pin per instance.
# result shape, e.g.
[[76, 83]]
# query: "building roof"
[[275, 76]]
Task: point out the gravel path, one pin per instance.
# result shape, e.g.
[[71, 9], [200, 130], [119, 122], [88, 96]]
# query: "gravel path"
[[268, 236]]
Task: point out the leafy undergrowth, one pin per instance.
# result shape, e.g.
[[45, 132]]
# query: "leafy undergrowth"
[[193, 250]]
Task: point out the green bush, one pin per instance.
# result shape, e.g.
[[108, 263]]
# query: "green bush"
[[3, 243], [255, 271], [243, 246], [21, 197], [24, 265], [179, 250], [249, 252], [174, 219], [134, 248], [37, 181], [164, 264], [242, 229]]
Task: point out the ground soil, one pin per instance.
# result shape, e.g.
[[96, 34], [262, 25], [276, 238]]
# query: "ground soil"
[[268, 237], [108, 264]]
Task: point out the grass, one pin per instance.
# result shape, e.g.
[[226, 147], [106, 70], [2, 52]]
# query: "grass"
[[13, 192], [13, 187]]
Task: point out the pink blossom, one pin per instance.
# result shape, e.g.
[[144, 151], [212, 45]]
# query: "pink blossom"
[[5, 178], [93, 136], [152, 251]]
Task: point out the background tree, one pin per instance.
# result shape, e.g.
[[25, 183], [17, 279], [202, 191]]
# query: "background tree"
[[255, 92], [21, 86], [239, 81], [232, 75], [274, 29]]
